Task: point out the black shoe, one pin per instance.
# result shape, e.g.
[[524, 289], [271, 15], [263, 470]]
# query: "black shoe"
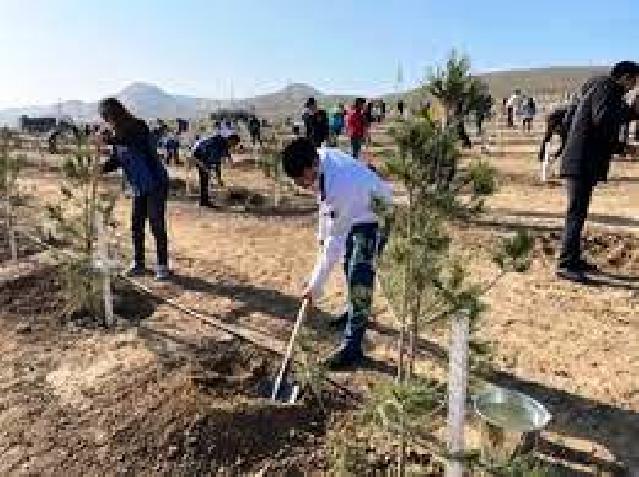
[[343, 358], [587, 267], [338, 322], [572, 274], [135, 270]]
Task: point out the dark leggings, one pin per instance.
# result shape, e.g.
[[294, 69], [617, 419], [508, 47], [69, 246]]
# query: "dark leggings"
[[527, 122], [151, 206], [205, 175]]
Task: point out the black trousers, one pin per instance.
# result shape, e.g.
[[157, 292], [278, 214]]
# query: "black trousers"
[[151, 206], [463, 136], [205, 175], [579, 192], [527, 124], [511, 116]]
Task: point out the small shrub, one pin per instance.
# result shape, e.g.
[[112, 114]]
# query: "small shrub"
[[482, 177]]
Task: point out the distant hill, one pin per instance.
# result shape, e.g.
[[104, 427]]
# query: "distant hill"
[[539, 81], [149, 101]]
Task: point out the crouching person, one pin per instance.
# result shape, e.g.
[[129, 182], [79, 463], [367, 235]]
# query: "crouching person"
[[208, 154], [347, 191], [135, 151]]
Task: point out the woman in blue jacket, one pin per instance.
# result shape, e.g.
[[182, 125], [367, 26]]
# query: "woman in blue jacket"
[[135, 151]]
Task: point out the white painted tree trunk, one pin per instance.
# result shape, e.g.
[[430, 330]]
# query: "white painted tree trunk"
[[545, 164], [103, 251], [187, 180], [42, 154], [457, 384], [11, 233], [13, 244]]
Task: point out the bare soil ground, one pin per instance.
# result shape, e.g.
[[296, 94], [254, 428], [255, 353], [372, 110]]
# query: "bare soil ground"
[[170, 394], [25, 247]]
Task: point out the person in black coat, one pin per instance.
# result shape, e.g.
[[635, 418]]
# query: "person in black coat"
[[254, 128], [321, 128], [559, 121], [593, 138], [556, 124], [208, 154]]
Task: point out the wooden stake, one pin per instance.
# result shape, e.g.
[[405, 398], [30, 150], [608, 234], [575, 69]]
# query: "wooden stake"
[[103, 251], [457, 384]]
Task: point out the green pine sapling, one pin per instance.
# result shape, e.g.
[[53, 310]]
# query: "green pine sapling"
[[82, 200], [420, 275], [10, 167]]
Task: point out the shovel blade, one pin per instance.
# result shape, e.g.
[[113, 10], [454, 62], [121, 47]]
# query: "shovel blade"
[[288, 392]]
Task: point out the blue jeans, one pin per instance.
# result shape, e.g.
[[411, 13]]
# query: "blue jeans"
[[364, 244]]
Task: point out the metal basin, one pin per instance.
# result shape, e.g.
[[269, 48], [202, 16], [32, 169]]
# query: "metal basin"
[[510, 423]]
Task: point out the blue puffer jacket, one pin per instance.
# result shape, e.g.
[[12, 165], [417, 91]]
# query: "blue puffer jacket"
[[135, 151]]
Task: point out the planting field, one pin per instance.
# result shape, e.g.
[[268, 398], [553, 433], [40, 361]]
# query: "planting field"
[[167, 392]]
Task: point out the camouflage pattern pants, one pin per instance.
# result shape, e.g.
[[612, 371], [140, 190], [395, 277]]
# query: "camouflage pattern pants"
[[363, 245]]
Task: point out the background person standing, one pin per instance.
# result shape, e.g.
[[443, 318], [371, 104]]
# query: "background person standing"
[[356, 126], [254, 128], [530, 110], [593, 138]]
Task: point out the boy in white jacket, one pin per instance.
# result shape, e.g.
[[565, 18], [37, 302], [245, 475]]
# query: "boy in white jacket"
[[347, 190]]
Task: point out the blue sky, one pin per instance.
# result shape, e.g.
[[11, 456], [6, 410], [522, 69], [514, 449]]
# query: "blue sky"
[[72, 49]]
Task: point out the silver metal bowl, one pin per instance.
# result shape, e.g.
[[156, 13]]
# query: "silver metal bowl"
[[510, 423], [511, 410]]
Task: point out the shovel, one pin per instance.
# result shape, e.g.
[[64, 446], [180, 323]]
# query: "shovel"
[[284, 390]]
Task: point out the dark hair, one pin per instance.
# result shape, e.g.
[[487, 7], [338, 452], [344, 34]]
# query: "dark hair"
[[233, 138], [112, 108], [625, 68], [310, 102], [297, 156]]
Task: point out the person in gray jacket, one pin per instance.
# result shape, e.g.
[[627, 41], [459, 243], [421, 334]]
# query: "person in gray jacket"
[[593, 138]]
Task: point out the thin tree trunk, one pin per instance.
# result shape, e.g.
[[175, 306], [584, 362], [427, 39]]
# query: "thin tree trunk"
[[401, 464], [402, 332], [10, 229], [414, 335], [410, 298]]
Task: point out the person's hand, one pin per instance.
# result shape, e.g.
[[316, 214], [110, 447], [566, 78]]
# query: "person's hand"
[[307, 294]]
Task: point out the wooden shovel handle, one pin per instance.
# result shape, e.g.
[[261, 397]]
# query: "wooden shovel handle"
[[301, 314]]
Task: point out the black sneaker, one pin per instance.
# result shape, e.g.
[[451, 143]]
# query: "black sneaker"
[[135, 271], [587, 267], [572, 274], [338, 322], [342, 358]]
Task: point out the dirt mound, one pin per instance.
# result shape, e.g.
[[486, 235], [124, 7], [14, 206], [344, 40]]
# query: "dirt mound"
[[25, 247], [234, 196], [227, 368], [612, 250], [89, 401], [33, 295], [41, 296], [177, 187]]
